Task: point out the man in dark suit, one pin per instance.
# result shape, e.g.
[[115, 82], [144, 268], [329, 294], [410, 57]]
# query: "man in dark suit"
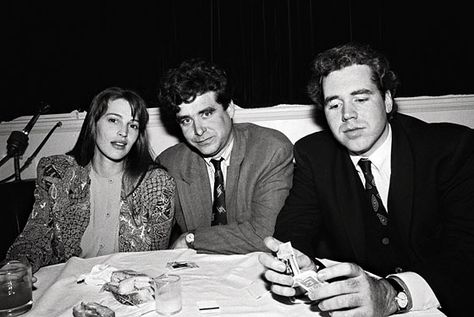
[[405, 212], [232, 179]]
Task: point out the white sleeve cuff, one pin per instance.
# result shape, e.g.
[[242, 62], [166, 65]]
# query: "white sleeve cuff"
[[422, 295]]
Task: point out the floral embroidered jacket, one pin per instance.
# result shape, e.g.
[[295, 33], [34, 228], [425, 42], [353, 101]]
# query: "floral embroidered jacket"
[[61, 213]]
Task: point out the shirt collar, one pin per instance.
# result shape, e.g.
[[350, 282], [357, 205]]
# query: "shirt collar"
[[381, 155], [225, 153]]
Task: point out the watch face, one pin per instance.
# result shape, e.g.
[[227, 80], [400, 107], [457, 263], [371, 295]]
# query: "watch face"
[[402, 300], [190, 238]]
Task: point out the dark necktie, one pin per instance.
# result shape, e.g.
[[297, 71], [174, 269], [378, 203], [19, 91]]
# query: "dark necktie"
[[219, 213], [372, 192]]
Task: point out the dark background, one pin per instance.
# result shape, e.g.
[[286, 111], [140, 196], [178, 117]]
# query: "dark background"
[[63, 53]]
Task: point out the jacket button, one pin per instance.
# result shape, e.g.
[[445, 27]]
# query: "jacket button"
[[385, 241]]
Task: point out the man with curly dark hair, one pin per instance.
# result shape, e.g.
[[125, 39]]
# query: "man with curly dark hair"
[[378, 191], [232, 179]]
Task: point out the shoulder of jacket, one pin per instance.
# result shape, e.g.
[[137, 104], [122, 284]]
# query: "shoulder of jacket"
[[324, 136], [159, 175], [158, 172], [172, 151], [57, 161], [264, 134]]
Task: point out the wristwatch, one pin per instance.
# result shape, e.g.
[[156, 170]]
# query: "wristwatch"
[[402, 298], [189, 238]]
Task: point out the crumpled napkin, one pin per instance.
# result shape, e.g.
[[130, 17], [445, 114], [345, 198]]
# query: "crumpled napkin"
[[99, 275]]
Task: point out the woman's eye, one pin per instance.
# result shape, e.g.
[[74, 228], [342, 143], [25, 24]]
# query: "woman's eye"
[[112, 120], [134, 126]]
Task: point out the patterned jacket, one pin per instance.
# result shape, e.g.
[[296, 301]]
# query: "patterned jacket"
[[61, 213]]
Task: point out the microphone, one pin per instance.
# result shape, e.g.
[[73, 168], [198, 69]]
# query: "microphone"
[[18, 140], [33, 120], [31, 158]]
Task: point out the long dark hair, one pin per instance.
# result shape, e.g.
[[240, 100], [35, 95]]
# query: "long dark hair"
[[139, 160]]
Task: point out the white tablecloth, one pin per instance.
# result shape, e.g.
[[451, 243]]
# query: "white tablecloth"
[[233, 281]]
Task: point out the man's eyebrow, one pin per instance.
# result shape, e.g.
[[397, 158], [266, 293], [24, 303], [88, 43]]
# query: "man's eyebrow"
[[328, 99], [178, 117], [207, 109], [362, 91], [354, 93]]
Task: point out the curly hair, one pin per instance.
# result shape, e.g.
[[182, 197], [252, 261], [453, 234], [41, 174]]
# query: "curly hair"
[[346, 55], [192, 78]]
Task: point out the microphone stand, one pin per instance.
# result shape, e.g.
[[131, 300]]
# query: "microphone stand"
[[16, 164], [4, 160], [27, 163], [18, 142]]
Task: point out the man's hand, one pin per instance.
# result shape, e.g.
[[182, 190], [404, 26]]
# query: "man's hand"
[[354, 292], [180, 243], [350, 291], [282, 284]]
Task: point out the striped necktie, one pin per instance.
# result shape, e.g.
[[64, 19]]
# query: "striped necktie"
[[219, 213]]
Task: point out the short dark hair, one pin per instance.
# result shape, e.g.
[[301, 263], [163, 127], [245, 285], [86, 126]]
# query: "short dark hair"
[[346, 55], [139, 160], [192, 78]]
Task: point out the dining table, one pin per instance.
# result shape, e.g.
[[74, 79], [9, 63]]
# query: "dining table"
[[234, 284]]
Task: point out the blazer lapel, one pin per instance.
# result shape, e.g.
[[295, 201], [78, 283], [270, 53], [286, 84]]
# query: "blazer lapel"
[[194, 193], [400, 197], [350, 198], [233, 172]]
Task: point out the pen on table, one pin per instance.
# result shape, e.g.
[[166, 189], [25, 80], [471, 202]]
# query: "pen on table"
[[209, 308]]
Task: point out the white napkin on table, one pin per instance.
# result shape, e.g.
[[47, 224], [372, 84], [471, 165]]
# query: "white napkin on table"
[[99, 275]]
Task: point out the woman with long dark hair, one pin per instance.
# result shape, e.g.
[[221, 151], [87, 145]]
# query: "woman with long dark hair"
[[104, 196]]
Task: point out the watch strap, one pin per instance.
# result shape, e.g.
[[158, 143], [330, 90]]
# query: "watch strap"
[[400, 288]]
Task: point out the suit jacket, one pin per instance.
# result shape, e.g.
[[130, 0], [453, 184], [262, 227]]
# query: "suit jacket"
[[258, 181], [430, 204], [61, 213]]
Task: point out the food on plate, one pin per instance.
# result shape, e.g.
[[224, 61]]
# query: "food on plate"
[[130, 287], [92, 309]]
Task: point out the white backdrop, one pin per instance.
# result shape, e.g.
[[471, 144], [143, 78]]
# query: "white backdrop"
[[295, 121]]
